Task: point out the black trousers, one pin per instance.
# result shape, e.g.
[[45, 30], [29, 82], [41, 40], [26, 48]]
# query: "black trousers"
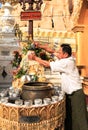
[[76, 112]]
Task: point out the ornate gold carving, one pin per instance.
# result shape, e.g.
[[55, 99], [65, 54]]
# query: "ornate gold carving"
[[13, 2], [77, 4], [51, 116], [78, 28]]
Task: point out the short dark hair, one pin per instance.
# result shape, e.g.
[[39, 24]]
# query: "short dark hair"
[[66, 48]]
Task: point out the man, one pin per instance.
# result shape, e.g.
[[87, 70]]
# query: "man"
[[76, 112]]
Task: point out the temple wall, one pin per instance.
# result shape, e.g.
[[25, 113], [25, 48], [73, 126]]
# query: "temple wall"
[[83, 45], [58, 11]]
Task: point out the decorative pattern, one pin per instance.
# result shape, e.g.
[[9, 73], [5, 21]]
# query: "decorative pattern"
[[77, 4], [13, 2], [51, 116]]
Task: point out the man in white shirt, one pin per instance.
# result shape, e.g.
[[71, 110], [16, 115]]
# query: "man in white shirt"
[[76, 112]]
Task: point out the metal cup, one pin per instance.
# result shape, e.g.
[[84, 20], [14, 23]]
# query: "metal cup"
[[38, 101], [47, 101], [55, 98], [28, 102], [19, 102]]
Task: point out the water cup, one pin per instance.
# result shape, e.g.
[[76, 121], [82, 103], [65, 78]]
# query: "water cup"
[[19, 102], [28, 102], [47, 101], [55, 98], [38, 101]]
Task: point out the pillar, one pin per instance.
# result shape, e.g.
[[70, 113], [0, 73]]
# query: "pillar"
[[79, 30]]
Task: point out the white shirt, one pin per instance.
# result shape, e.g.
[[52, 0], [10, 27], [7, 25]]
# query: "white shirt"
[[70, 79]]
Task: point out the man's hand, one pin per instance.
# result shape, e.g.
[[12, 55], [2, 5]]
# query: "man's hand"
[[31, 55], [43, 46], [36, 43]]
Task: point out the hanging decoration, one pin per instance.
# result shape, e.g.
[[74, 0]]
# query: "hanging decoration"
[[52, 22], [70, 4], [4, 73]]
